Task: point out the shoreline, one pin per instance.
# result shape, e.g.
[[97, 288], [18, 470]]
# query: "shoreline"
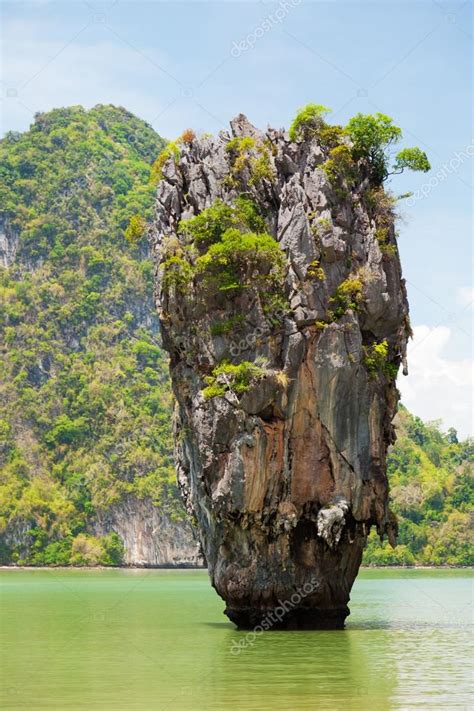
[[202, 567]]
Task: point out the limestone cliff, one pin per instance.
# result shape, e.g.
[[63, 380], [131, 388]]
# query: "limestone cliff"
[[285, 316], [85, 435], [8, 242], [151, 538]]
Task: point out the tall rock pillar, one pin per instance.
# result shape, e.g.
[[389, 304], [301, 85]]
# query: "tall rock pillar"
[[285, 316]]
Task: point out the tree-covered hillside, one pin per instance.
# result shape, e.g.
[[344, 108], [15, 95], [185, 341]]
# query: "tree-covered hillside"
[[85, 401], [84, 394], [432, 491]]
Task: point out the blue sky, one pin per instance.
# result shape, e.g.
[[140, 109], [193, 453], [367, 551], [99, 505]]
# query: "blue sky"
[[198, 64]]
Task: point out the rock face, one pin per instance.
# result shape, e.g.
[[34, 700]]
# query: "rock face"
[[150, 537], [9, 240], [283, 372]]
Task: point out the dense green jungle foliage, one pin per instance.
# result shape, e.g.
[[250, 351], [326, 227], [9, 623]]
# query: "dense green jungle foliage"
[[84, 395], [85, 400], [432, 491]]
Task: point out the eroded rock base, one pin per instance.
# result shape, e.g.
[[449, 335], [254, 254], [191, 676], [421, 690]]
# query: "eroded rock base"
[[301, 618]]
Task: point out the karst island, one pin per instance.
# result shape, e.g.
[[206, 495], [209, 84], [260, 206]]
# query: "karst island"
[[284, 312]]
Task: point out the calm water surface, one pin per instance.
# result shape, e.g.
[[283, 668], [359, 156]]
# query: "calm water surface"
[[118, 639]]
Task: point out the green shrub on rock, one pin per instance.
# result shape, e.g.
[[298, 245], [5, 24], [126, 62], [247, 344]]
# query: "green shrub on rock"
[[249, 214], [228, 376], [171, 150], [250, 160], [340, 169], [232, 251], [315, 271], [348, 295], [366, 142], [177, 272], [261, 168], [372, 136], [309, 122], [208, 227], [240, 259], [376, 360]]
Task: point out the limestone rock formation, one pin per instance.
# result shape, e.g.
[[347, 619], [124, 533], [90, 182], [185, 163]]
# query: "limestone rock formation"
[[9, 239], [285, 316], [151, 538]]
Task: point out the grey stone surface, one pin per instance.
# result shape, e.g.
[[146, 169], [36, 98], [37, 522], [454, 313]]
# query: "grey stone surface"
[[286, 479]]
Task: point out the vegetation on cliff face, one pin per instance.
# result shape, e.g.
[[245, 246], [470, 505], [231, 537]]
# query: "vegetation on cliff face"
[[85, 401], [237, 378], [227, 249], [365, 142], [84, 395]]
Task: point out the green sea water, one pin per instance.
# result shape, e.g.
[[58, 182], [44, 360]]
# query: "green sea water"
[[158, 639]]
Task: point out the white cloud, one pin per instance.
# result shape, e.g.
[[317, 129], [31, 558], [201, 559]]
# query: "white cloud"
[[438, 387]]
